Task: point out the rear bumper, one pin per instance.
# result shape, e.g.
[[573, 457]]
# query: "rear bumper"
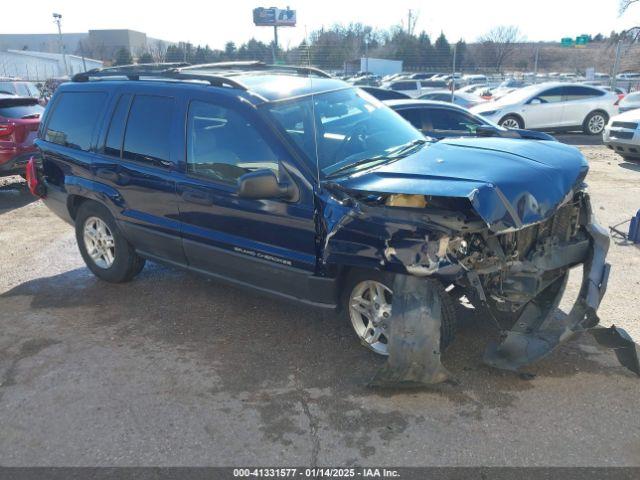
[[12, 162]]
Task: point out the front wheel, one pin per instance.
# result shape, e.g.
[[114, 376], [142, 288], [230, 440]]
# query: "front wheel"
[[103, 248], [367, 304], [594, 123]]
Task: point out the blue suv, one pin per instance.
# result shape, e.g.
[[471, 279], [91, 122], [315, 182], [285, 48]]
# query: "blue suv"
[[297, 184]]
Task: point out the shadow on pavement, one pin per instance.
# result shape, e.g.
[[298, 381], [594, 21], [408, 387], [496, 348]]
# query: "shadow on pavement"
[[14, 194], [630, 166], [577, 139], [252, 341]]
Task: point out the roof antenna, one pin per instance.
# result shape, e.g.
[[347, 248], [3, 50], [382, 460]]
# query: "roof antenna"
[[313, 106]]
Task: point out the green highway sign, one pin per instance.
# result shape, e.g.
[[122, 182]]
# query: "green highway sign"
[[567, 42]]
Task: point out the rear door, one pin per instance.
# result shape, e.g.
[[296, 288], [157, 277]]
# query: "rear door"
[[579, 102], [136, 161], [268, 243]]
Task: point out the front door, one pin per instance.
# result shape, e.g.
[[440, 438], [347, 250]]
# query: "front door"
[[268, 243], [545, 110]]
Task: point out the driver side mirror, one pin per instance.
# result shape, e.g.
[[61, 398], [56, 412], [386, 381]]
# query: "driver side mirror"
[[535, 101], [263, 184]]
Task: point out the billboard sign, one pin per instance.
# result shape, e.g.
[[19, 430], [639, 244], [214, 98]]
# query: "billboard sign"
[[274, 17]]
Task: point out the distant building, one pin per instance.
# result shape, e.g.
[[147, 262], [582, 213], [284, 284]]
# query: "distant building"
[[39, 66], [100, 44], [108, 42]]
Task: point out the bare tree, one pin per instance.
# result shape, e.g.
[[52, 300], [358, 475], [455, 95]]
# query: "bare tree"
[[633, 33], [498, 44], [624, 4]]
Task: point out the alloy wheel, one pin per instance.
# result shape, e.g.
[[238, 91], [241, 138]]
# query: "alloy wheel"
[[596, 124], [510, 123], [370, 314], [99, 242]]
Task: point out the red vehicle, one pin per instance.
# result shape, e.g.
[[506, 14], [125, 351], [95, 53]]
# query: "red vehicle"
[[19, 122]]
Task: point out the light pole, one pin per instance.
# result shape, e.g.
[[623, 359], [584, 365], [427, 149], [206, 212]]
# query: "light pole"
[[57, 18]]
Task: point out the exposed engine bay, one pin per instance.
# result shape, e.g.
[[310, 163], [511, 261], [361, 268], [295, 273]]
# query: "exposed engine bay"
[[518, 272]]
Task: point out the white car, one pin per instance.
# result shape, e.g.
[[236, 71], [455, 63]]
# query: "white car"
[[415, 88], [622, 134], [554, 105], [630, 101]]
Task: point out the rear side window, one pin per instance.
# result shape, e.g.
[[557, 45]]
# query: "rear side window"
[[580, 93], [223, 145], [113, 144], [147, 138], [442, 119], [7, 87], [21, 111], [74, 118]]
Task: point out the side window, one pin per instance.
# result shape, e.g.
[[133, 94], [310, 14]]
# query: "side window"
[[581, 93], [113, 143], [444, 119], [73, 119], [147, 138], [552, 95], [223, 145], [413, 116]]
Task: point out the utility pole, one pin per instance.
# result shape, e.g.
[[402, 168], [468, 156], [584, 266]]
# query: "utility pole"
[[275, 43], [57, 18], [535, 64], [366, 54], [616, 64], [453, 74]]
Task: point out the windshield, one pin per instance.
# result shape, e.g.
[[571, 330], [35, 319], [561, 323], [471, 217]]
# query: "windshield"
[[350, 127]]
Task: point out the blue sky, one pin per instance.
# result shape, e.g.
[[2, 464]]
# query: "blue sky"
[[214, 22]]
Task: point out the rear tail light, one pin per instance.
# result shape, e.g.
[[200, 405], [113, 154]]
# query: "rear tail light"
[[6, 129], [33, 181]]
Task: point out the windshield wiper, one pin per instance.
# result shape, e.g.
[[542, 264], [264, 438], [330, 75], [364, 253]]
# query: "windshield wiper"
[[364, 161], [398, 152]]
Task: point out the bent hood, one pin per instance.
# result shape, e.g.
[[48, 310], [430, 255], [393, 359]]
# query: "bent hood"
[[510, 183]]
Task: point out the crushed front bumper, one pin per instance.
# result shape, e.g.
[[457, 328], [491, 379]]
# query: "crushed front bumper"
[[414, 350]]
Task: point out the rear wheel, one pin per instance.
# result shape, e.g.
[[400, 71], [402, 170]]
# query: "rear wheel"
[[511, 121], [103, 247], [594, 123], [367, 304]]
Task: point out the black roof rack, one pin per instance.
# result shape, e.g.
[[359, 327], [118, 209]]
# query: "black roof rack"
[[158, 71], [256, 66]]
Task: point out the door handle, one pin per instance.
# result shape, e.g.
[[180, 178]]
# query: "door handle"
[[115, 177], [200, 198], [107, 174]]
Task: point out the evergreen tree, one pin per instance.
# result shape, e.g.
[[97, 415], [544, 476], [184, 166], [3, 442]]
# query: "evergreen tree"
[[123, 57], [145, 58], [442, 51]]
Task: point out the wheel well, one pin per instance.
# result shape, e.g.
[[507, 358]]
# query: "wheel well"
[[73, 204], [599, 110], [514, 115]]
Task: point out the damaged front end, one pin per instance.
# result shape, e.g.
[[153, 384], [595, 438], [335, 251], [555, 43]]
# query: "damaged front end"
[[517, 270]]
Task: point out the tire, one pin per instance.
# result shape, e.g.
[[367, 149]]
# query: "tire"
[[125, 262], [594, 123], [512, 121], [354, 282]]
